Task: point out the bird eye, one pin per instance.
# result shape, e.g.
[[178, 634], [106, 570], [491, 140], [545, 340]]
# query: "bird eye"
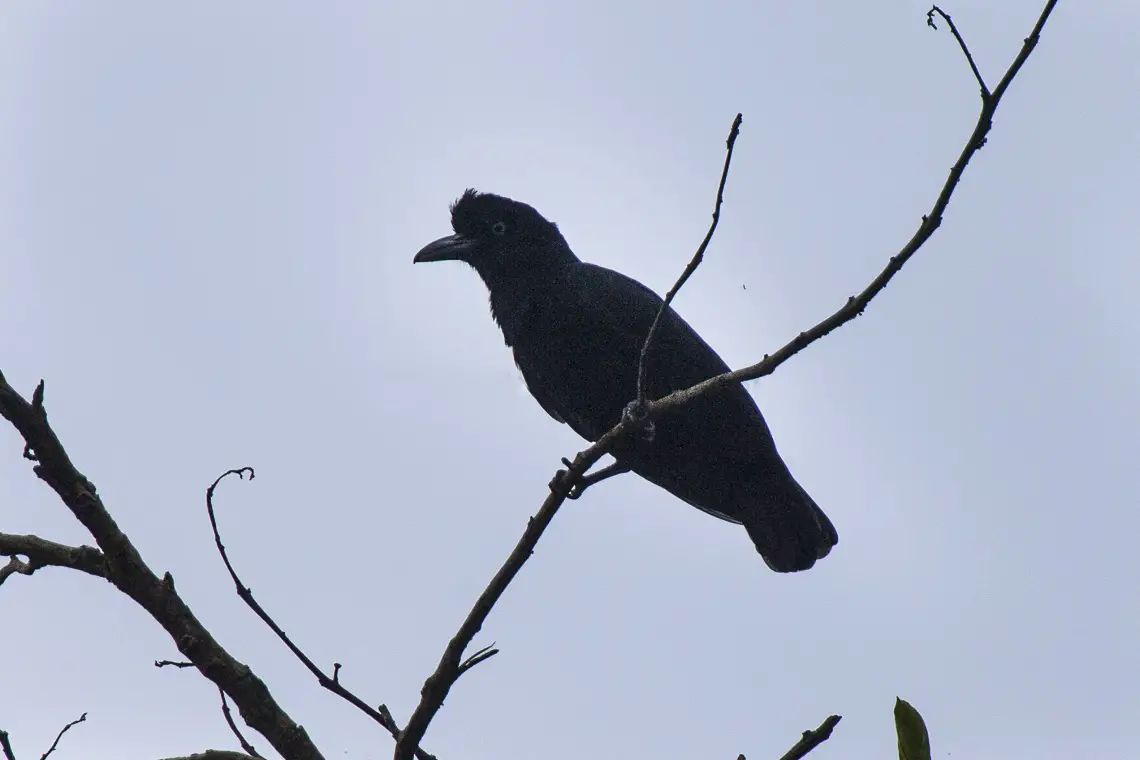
[[499, 228]]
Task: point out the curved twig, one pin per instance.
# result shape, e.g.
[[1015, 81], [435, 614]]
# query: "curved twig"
[[961, 43], [695, 262], [382, 715], [245, 745]]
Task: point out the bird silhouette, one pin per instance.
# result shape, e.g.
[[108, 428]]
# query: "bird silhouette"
[[577, 331]]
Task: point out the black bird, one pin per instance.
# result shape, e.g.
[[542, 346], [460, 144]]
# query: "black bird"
[[577, 331]]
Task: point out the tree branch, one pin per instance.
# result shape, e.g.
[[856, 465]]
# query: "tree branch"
[[439, 683], [82, 718], [961, 43], [381, 715], [214, 754], [180, 664], [6, 746], [812, 739], [126, 569], [695, 262], [245, 745], [857, 304], [447, 672], [43, 553]]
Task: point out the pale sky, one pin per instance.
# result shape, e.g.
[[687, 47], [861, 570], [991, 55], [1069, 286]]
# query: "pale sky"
[[208, 214]]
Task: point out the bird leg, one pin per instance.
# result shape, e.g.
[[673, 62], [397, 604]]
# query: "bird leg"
[[617, 468]]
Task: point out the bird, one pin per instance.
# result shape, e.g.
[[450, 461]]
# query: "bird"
[[577, 330]]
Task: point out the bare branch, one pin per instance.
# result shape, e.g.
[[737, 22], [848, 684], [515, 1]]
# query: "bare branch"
[[695, 262], [812, 739], [214, 754], [857, 304], [245, 745], [483, 654], [961, 43], [439, 683], [595, 477], [43, 553], [180, 664], [125, 568], [381, 716], [6, 746], [63, 731]]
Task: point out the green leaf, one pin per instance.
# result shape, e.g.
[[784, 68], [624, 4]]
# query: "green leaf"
[[914, 742]]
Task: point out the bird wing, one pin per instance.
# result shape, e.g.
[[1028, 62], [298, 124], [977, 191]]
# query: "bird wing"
[[580, 346], [578, 351], [536, 384]]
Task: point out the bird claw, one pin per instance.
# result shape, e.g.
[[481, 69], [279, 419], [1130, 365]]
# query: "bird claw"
[[635, 414], [595, 477], [558, 482]]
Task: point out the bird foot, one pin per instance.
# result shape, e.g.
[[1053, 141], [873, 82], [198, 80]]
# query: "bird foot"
[[635, 413], [593, 478], [587, 480]]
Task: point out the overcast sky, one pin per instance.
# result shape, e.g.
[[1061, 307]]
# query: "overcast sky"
[[208, 213]]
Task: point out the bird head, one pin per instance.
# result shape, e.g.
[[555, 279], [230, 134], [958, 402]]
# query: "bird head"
[[493, 233]]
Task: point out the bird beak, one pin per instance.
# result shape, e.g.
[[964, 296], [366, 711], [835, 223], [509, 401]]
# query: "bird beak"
[[450, 248]]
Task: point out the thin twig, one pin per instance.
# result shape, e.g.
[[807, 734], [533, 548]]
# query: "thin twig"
[[332, 683], [6, 746], [180, 664], [439, 683], [961, 43], [812, 739], [695, 262], [1027, 46], [63, 731], [482, 655], [245, 745]]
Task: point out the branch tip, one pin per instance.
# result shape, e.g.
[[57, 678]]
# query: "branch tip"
[[180, 664], [81, 719], [961, 44], [245, 745], [695, 262], [812, 739]]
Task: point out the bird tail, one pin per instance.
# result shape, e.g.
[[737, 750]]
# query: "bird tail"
[[790, 531]]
